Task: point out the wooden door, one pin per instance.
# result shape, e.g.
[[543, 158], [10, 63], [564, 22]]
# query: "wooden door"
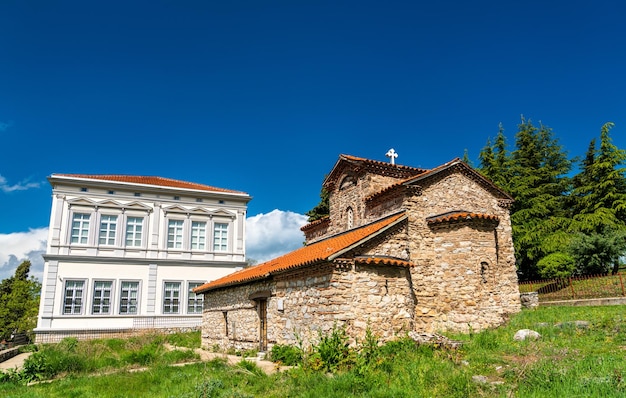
[[263, 325]]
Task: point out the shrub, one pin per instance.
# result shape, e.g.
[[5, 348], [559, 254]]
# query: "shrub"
[[333, 350], [556, 265], [286, 354]]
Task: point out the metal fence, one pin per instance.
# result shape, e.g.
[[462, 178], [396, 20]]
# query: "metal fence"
[[572, 288]]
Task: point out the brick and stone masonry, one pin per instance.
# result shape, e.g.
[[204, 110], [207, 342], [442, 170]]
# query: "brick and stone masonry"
[[447, 265]]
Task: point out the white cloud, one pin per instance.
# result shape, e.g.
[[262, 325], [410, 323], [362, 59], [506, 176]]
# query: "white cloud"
[[20, 186], [273, 234], [19, 246]]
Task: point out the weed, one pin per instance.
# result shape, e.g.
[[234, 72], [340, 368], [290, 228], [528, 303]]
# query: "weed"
[[209, 388], [333, 350]]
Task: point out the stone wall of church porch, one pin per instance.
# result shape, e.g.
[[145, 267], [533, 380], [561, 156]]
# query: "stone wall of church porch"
[[230, 318], [310, 301]]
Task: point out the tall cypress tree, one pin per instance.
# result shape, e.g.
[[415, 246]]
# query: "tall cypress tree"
[[599, 194], [495, 161], [539, 184], [599, 202]]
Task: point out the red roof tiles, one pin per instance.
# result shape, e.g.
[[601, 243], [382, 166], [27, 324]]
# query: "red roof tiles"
[[150, 180], [323, 250], [460, 216]]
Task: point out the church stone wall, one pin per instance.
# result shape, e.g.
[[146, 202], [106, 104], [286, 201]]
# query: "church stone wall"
[[465, 274], [351, 195], [314, 300]]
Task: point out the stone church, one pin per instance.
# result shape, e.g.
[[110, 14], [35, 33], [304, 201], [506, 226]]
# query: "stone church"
[[403, 249]]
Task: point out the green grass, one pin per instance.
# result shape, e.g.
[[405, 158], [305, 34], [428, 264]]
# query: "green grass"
[[567, 361]]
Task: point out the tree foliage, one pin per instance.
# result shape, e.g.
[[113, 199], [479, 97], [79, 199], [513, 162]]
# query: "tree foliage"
[[535, 174], [551, 207], [322, 209], [19, 302], [556, 265], [598, 253]]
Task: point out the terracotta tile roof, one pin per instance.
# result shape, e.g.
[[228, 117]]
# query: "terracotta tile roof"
[[150, 180], [380, 163], [374, 260], [326, 249], [460, 215]]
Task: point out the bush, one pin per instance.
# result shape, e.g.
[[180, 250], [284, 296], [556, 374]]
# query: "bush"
[[556, 265], [286, 354], [333, 350]]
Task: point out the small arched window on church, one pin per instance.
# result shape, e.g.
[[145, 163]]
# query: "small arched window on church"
[[350, 216], [484, 268]]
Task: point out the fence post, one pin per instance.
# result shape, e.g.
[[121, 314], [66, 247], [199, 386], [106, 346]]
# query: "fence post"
[[572, 287], [621, 282]]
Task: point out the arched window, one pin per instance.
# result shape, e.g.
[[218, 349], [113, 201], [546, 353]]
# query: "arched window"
[[350, 216], [484, 268]]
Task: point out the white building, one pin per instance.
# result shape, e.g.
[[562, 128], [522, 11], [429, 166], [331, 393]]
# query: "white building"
[[125, 252]]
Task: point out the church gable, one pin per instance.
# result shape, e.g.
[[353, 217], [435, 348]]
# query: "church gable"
[[351, 167], [349, 182], [457, 167]]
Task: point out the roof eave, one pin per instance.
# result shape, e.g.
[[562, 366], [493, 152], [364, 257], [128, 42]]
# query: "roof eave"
[[55, 178]]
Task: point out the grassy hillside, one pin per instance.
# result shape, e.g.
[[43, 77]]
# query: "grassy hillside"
[[585, 358]]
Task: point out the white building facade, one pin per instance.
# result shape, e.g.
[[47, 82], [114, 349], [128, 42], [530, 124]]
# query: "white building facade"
[[125, 252]]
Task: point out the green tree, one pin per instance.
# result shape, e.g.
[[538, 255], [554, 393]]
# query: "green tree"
[[599, 194], [19, 302], [495, 162], [466, 159], [556, 265], [598, 253], [322, 209], [538, 181]]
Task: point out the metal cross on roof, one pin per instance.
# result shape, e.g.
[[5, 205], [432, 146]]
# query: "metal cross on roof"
[[392, 155]]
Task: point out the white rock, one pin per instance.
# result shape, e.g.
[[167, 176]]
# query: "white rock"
[[524, 334]]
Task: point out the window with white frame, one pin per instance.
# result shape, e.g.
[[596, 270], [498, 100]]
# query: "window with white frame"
[[220, 237], [198, 235], [134, 231], [73, 297], [175, 234], [129, 297], [108, 226], [101, 303], [80, 228], [171, 297], [194, 301]]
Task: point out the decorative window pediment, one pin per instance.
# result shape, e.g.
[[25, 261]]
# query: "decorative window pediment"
[[200, 211], [113, 204], [175, 209], [223, 213], [82, 202], [137, 206]]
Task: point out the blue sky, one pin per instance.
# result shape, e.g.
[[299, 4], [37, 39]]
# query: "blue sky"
[[263, 96]]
